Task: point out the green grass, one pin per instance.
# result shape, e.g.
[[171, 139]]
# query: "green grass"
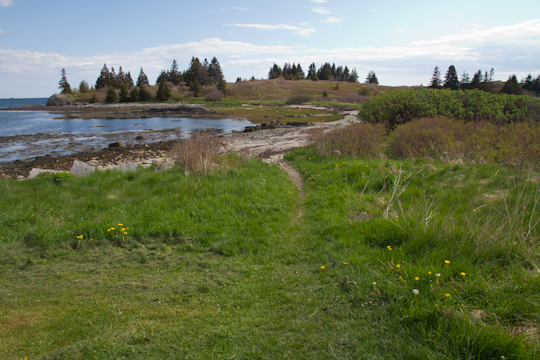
[[236, 265]]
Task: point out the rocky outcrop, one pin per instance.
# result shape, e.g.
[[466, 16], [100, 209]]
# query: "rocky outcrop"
[[58, 100]]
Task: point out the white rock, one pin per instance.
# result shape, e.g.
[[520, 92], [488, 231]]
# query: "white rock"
[[35, 172], [80, 168]]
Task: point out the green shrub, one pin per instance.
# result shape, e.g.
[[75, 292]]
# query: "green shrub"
[[215, 95], [134, 94], [144, 94], [401, 106], [355, 140], [163, 92], [111, 95], [59, 178]]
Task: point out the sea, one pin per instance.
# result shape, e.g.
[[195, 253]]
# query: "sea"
[[25, 135]]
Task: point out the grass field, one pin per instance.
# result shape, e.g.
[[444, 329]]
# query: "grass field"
[[382, 259]]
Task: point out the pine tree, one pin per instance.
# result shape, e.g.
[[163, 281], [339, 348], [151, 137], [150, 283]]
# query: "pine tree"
[[325, 72], [162, 76], [476, 80], [196, 71], [465, 81], [63, 83], [435, 82], [300, 73], [129, 80], [214, 71], [120, 78], [512, 86], [83, 87], [163, 93], [144, 94], [346, 73], [104, 78], [372, 78], [451, 79], [222, 86], [312, 72], [123, 95], [142, 80], [275, 72], [174, 75], [111, 95], [134, 94], [196, 88], [354, 76]]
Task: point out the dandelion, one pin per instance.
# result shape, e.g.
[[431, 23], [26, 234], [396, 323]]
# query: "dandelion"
[[438, 274], [417, 278], [345, 263], [123, 229], [322, 267], [91, 239], [120, 225], [125, 233], [374, 283], [463, 274], [447, 295], [446, 261], [264, 179], [112, 228], [401, 277], [108, 230], [415, 292], [429, 272], [389, 247], [398, 266]]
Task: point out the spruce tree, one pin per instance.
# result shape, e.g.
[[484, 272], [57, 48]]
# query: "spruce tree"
[[465, 81], [196, 88], [83, 87], [174, 75], [123, 95], [104, 78], [162, 76], [129, 80], [222, 86], [435, 82], [354, 76], [111, 95], [451, 79], [372, 78], [346, 73], [134, 94], [476, 80], [144, 94], [275, 72], [163, 93], [312, 72], [63, 83], [512, 86], [142, 80], [300, 72]]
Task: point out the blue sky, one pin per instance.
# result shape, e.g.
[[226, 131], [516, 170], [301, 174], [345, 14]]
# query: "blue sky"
[[402, 41]]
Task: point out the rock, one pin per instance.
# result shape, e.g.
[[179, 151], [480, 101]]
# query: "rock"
[[93, 163], [167, 165], [80, 168], [336, 152], [141, 138], [58, 100], [125, 167], [35, 172], [118, 144]]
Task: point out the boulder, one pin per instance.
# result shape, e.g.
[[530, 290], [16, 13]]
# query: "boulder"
[[126, 167], [141, 138], [167, 165], [118, 144], [80, 168], [58, 100], [35, 172]]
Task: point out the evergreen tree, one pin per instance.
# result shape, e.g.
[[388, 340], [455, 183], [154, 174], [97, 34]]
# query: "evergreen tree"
[[174, 75], [325, 72], [435, 82], [339, 73], [346, 74], [134, 94], [238, 80], [275, 72], [104, 78], [300, 73], [354, 76], [334, 70], [144, 94], [83, 87], [163, 75], [63, 83], [195, 72], [111, 95], [120, 78], [196, 88], [312, 72], [214, 71], [451, 79], [465, 81], [142, 80], [512, 86], [528, 83], [163, 93], [372, 78], [129, 80], [123, 95], [476, 80], [222, 86]]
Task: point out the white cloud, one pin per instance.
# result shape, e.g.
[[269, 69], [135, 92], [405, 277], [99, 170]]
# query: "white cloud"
[[3, 32], [482, 34], [320, 10], [399, 31], [240, 8], [297, 30], [6, 3], [319, 1], [332, 20]]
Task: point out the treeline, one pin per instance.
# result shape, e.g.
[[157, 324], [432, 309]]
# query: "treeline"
[[482, 81], [325, 72]]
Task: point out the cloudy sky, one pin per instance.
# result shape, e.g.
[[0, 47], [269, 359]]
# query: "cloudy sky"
[[402, 41]]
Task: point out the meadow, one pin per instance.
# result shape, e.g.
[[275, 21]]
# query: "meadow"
[[420, 242]]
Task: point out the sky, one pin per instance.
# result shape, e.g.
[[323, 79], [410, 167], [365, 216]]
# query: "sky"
[[401, 41]]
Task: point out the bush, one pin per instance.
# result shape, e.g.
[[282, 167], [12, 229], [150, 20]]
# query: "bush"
[[401, 106], [134, 94], [83, 87], [366, 140], [215, 95], [299, 99], [144, 94], [364, 91], [163, 92]]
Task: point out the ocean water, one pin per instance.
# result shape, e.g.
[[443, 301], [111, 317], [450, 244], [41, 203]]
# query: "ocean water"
[[7, 103], [27, 134]]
